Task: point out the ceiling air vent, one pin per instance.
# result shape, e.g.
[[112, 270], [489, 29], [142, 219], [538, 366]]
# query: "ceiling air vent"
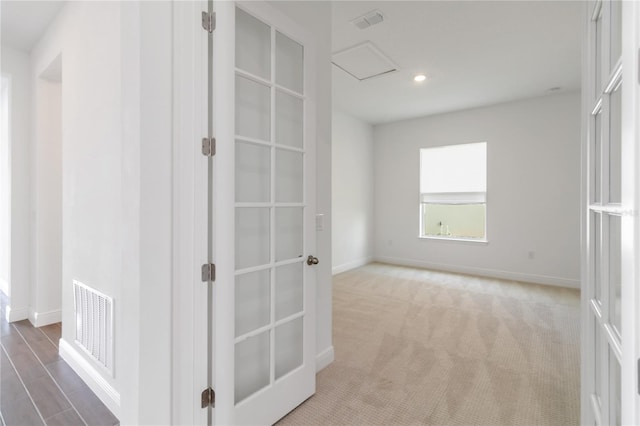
[[368, 19]]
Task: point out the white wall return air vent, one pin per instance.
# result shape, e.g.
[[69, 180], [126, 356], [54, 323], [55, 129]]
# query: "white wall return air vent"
[[94, 323], [368, 19]]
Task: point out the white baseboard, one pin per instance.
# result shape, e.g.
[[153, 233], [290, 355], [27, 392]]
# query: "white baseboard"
[[324, 358], [350, 265], [17, 314], [90, 375], [490, 273], [38, 319]]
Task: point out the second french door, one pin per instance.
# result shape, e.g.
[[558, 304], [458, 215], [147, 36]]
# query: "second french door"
[[610, 222]]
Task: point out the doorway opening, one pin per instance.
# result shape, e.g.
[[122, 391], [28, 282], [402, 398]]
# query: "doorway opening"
[[5, 185], [46, 295]]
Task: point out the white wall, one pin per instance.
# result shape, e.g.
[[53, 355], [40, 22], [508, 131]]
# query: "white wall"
[[533, 181], [117, 187], [117, 191], [15, 63], [5, 185], [91, 176], [352, 192], [316, 17]]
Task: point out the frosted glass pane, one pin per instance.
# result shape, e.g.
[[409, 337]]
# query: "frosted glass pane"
[[289, 290], [289, 69], [615, 277], [253, 45], [597, 257], [253, 166], [252, 237], [289, 116], [251, 365], [615, 407], [288, 347], [616, 32], [289, 176], [253, 301], [615, 144], [597, 351], [598, 56], [597, 157], [253, 109], [288, 233]]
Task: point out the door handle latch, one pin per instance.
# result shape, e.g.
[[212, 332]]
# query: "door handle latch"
[[312, 260]]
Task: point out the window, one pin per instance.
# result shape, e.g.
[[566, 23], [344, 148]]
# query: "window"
[[453, 192]]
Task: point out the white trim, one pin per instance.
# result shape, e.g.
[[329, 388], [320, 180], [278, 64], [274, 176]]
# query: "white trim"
[[103, 390], [630, 310], [324, 358], [351, 265], [489, 273], [462, 239], [189, 302], [17, 314], [38, 319], [478, 197]]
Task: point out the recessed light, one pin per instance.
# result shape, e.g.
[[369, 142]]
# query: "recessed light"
[[419, 78]]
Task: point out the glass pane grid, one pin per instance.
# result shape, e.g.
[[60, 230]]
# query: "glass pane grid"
[[270, 207], [605, 205]]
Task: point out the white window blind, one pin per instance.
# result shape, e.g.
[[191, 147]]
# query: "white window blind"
[[454, 169]]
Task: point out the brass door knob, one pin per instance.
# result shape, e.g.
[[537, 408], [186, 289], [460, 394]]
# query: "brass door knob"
[[312, 260]]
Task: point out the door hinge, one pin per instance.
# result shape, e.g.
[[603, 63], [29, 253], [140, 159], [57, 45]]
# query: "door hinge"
[[209, 147], [208, 398], [209, 21], [208, 272]]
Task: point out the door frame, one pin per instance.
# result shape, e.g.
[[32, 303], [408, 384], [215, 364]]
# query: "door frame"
[[630, 366], [189, 245]]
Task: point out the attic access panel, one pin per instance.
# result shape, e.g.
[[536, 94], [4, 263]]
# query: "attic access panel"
[[364, 61]]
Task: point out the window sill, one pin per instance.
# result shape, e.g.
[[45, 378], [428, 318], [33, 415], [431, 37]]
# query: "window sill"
[[455, 240]]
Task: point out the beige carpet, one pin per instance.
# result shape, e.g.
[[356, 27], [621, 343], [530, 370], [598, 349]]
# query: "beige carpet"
[[415, 347]]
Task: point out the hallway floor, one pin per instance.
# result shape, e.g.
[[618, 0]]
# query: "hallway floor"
[[36, 385]]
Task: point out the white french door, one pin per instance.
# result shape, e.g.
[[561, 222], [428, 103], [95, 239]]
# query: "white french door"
[[610, 226], [263, 209]]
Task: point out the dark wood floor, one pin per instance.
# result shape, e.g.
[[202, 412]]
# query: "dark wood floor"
[[36, 386]]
